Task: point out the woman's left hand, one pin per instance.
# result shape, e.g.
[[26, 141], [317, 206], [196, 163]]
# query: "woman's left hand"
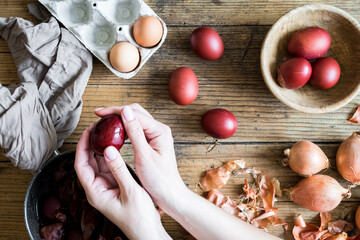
[[112, 190]]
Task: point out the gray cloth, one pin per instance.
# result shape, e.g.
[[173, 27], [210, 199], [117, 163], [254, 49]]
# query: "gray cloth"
[[41, 111]]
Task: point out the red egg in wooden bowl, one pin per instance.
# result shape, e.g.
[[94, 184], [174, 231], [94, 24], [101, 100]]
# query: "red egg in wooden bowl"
[[344, 31]]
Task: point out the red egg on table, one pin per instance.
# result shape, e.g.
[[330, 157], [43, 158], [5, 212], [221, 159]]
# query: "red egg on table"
[[207, 43], [183, 86], [219, 123]]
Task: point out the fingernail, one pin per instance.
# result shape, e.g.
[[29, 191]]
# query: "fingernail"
[[98, 109], [111, 153], [128, 113]]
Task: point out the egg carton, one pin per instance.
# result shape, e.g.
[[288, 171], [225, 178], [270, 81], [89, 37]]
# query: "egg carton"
[[99, 24]]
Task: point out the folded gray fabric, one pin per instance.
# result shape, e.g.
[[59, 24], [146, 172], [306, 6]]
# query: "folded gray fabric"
[[37, 114]]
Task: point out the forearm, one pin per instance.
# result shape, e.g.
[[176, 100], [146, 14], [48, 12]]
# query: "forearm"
[[206, 221]]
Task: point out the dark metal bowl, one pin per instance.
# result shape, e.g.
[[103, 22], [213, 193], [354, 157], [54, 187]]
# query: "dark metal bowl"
[[39, 186]]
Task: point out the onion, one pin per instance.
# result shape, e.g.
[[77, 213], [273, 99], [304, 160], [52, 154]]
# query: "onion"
[[348, 159], [306, 158], [318, 193], [357, 217]]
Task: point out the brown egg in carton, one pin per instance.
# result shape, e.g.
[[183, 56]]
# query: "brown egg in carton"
[[100, 24]]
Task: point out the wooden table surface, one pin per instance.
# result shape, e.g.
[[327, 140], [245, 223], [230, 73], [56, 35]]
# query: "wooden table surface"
[[266, 126]]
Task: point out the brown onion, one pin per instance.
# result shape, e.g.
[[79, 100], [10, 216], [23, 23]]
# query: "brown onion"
[[348, 159], [357, 217], [318, 193], [306, 158]]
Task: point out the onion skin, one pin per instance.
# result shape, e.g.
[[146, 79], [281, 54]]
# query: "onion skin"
[[306, 158], [318, 193], [357, 217], [348, 159]]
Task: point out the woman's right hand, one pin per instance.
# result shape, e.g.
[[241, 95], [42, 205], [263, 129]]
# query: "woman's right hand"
[[154, 155]]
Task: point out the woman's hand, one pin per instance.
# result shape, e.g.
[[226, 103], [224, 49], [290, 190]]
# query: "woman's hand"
[[156, 168], [155, 161], [111, 189]]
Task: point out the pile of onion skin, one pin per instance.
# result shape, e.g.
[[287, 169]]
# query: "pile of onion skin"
[[328, 230], [248, 208]]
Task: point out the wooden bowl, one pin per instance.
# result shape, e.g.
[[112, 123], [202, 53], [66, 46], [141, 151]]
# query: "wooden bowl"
[[345, 49]]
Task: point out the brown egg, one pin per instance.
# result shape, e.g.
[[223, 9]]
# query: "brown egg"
[[124, 57], [147, 31]]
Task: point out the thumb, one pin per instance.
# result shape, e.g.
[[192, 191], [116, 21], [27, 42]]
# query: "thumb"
[[118, 169], [134, 131]]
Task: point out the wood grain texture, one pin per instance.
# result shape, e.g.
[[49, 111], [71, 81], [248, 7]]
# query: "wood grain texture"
[[266, 126], [193, 161], [234, 82], [261, 118]]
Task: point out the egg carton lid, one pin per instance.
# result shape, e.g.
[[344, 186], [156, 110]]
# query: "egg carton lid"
[[99, 24]]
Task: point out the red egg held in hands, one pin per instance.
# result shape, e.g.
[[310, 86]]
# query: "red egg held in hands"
[[294, 73], [108, 131], [207, 43], [219, 123], [325, 73]]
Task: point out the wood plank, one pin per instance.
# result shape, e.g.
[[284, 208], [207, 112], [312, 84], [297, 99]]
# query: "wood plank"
[[192, 162], [261, 118], [230, 12], [241, 57], [234, 82]]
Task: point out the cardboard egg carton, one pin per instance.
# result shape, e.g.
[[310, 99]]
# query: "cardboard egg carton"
[[102, 23]]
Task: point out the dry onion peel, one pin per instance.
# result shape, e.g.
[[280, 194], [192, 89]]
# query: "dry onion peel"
[[226, 203], [250, 193], [356, 117], [216, 178], [318, 193], [325, 218], [340, 236], [248, 210], [266, 191], [276, 183], [305, 158], [306, 231], [348, 159], [339, 226]]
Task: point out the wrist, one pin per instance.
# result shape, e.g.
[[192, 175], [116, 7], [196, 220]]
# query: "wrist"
[[176, 200], [146, 228]]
